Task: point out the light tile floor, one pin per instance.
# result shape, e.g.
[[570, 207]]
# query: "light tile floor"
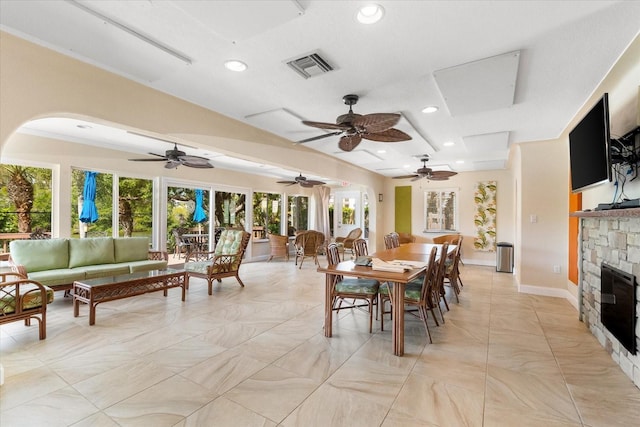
[[257, 357]]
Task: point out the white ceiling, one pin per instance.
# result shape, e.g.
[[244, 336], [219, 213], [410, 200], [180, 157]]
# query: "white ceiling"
[[501, 72]]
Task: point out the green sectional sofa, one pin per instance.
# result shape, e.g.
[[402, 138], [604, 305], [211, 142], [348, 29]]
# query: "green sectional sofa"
[[57, 263]]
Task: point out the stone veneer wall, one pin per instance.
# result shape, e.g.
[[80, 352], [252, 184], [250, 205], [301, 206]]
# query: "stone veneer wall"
[[615, 241]]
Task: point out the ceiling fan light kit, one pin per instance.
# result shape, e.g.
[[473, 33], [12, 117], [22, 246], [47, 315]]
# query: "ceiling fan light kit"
[[356, 127]]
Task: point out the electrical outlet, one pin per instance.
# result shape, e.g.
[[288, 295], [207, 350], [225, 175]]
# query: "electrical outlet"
[[556, 269], [533, 218]]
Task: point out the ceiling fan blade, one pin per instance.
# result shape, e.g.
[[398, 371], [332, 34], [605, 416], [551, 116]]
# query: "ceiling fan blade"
[[406, 176], [313, 182], [193, 159], [376, 122], [315, 138], [349, 142], [198, 165], [287, 182], [323, 125], [442, 174], [389, 135], [164, 159]]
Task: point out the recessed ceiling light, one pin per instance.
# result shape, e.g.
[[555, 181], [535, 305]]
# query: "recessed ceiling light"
[[406, 166], [459, 162], [381, 151], [430, 109], [235, 65], [370, 14], [449, 144]]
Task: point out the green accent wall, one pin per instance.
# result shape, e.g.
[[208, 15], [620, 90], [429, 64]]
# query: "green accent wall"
[[403, 209]]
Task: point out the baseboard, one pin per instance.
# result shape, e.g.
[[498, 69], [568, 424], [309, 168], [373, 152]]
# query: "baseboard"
[[484, 263], [549, 292]]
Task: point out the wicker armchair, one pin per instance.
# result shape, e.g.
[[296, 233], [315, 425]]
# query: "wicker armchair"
[[279, 246], [24, 299], [346, 243], [223, 262]]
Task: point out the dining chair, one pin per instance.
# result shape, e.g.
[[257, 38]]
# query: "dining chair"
[[182, 247], [360, 248], [391, 241], [419, 296], [307, 244], [351, 288], [452, 270], [279, 245], [442, 266]]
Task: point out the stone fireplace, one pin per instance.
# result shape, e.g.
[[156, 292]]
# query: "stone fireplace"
[[612, 238]]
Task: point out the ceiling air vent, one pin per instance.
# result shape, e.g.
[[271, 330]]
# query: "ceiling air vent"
[[310, 65]]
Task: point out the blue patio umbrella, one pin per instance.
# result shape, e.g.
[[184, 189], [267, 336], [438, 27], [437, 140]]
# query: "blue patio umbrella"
[[199, 215], [89, 211]]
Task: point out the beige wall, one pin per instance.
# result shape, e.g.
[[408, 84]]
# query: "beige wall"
[[464, 183]]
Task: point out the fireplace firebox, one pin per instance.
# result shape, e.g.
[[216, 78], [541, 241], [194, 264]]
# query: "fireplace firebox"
[[618, 309]]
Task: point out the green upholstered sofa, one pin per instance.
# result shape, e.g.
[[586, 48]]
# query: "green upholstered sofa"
[[57, 263]]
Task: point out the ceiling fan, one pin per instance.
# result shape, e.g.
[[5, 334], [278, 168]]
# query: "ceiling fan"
[[355, 127], [430, 174], [175, 158], [302, 181]]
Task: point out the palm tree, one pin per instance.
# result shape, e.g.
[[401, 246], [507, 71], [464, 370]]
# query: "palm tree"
[[19, 184]]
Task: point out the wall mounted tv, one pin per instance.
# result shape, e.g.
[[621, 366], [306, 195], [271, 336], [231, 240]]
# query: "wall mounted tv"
[[589, 154]]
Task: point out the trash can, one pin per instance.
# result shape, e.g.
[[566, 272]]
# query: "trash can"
[[504, 254]]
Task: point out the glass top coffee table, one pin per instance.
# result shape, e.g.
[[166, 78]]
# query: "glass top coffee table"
[[111, 288]]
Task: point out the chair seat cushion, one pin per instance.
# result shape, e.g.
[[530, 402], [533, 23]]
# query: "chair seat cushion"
[[31, 297], [412, 290], [199, 267], [357, 286]]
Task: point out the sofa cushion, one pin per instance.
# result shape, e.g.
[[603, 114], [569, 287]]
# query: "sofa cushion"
[[58, 277], [103, 270], [40, 255], [147, 265], [129, 249], [91, 251]]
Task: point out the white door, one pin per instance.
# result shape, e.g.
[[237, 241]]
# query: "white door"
[[347, 215]]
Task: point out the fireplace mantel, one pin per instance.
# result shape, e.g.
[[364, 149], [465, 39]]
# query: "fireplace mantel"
[[610, 213]]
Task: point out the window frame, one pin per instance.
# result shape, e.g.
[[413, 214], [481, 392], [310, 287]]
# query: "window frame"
[[440, 192]]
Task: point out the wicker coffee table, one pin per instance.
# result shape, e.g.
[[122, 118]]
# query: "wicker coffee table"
[[95, 291]]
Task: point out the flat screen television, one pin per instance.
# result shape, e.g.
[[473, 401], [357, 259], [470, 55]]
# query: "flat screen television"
[[589, 148]]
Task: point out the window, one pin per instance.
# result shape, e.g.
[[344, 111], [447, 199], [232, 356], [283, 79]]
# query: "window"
[[230, 209], [297, 214], [267, 210], [104, 205], [441, 210], [135, 207], [25, 199]]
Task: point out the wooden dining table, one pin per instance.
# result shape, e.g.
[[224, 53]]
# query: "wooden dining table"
[[411, 252]]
